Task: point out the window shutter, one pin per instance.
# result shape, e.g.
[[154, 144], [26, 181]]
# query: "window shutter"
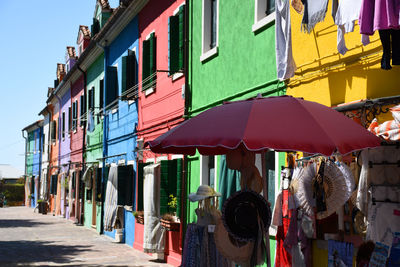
[[139, 204], [173, 44], [181, 41], [178, 186], [69, 119], [152, 44], [145, 64], [168, 184], [73, 182], [101, 94], [63, 124], [82, 110], [125, 185], [128, 72], [55, 83], [95, 26], [93, 99], [112, 84]]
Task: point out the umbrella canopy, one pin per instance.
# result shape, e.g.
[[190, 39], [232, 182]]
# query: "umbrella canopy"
[[282, 123]]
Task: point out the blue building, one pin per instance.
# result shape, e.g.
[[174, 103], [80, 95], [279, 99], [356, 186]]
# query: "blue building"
[[33, 160], [121, 113]]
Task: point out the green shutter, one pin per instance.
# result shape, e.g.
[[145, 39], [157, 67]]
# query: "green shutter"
[[139, 205], [112, 84], [145, 63], [164, 188], [169, 185], [74, 181], [178, 187], [101, 95], [95, 27], [152, 58], [173, 44], [99, 186], [181, 41], [131, 70], [82, 110], [69, 118]]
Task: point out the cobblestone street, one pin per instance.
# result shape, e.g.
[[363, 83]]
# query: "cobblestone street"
[[32, 239]]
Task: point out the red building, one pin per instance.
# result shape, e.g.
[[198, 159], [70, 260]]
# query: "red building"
[[77, 128], [161, 104]]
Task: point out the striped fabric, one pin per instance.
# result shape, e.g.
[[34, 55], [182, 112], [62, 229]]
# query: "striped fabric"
[[389, 130], [110, 203]]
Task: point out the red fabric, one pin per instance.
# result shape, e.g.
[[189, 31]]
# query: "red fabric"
[[283, 258], [283, 123]]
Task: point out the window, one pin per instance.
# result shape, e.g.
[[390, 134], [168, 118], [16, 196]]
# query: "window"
[[111, 86], [43, 143], [101, 94], [125, 185], [95, 27], [83, 110], [53, 185], [69, 119], [149, 73], [129, 66], [91, 98], [209, 29], [176, 33], [63, 125], [208, 170], [53, 129], [74, 115], [170, 184], [35, 139], [264, 13]]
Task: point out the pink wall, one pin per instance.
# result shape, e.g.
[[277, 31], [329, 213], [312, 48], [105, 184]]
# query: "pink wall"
[[77, 136], [163, 109]]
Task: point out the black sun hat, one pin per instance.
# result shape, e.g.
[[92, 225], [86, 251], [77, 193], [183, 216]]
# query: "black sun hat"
[[242, 214]]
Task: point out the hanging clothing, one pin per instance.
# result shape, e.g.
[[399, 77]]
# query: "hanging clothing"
[[347, 13], [390, 40], [283, 257], [314, 12], [394, 258], [154, 234], [283, 41], [111, 200], [378, 15], [90, 122], [383, 222], [229, 181], [379, 255]]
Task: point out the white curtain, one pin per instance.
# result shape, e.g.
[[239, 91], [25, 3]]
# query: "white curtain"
[[154, 234], [111, 200]]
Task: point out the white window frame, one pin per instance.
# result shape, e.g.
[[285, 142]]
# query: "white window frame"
[[204, 171], [206, 51], [260, 18]]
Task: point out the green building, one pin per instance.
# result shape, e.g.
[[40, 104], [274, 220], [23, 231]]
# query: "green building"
[[231, 57]]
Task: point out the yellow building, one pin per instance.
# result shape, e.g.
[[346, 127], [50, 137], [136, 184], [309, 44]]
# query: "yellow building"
[[325, 76]]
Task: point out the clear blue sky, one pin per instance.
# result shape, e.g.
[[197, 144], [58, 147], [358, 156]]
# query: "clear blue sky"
[[34, 37]]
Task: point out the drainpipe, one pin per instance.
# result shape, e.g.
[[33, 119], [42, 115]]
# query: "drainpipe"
[[81, 205], [105, 126], [26, 148], [186, 108]]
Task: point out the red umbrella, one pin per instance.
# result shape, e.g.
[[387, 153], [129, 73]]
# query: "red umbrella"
[[282, 123]]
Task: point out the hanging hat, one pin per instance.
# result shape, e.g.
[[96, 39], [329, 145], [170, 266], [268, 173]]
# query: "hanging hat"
[[231, 248], [242, 213], [359, 222], [203, 192], [337, 191]]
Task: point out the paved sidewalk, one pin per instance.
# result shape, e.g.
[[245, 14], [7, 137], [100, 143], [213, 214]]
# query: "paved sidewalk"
[[32, 239]]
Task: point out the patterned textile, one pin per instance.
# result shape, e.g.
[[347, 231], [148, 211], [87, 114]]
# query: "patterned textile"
[[389, 130], [110, 203], [340, 254]]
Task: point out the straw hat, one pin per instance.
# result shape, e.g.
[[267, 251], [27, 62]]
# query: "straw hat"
[[229, 247], [242, 213], [337, 190], [203, 192]]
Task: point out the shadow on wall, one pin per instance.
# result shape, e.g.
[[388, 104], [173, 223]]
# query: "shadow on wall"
[[4, 223], [26, 252]]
